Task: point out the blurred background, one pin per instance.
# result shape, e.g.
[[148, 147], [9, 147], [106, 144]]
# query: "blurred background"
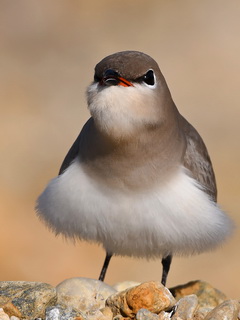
[[48, 50]]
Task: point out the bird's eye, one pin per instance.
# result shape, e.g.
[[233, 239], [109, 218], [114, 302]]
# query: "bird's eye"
[[149, 78]]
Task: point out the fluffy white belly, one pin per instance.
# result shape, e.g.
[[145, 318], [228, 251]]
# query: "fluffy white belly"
[[177, 217]]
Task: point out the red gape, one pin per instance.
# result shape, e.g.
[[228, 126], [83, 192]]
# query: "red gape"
[[125, 83]]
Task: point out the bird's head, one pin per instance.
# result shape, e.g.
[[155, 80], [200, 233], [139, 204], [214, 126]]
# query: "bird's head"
[[128, 94]]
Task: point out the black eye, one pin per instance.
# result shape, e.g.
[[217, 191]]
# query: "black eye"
[[148, 78]]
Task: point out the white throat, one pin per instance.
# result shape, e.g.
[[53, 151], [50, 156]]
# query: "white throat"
[[120, 111]]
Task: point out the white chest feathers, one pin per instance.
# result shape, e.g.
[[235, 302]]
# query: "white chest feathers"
[[175, 218]]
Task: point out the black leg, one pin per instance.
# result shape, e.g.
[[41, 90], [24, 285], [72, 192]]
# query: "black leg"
[[105, 266], [166, 262]]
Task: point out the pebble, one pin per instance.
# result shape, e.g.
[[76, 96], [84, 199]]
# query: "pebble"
[[89, 299], [201, 313], [107, 312], [144, 314], [152, 296], [164, 315], [120, 286], [60, 313], [186, 307], [83, 294], [228, 310], [11, 309], [53, 314], [207, 295], [26, 299], [3, 315], [98, 315]]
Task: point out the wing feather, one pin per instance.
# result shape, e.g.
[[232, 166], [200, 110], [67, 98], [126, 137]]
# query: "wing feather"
[[197, 160], [75, 149]]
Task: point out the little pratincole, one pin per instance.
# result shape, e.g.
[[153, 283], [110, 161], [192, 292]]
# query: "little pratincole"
[[138, 179]]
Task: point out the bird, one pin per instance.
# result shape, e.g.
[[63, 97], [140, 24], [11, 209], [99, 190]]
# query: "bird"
[[138, 179]]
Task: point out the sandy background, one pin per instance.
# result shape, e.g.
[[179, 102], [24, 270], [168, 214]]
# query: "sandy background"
[[48, 50]]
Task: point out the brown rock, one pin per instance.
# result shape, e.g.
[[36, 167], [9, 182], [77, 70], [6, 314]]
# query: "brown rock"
[[26, 299], [11, 310], [186, 307], [207, 295], [228, 310], [152, 296]]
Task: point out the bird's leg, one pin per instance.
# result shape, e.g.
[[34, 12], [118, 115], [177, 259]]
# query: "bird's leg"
[[105, 266], [166, 262]]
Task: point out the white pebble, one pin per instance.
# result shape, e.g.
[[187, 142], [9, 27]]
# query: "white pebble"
[[3, 315], [53, 314]]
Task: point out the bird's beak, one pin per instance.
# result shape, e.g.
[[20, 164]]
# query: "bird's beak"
[[125, 83], [112, 78]]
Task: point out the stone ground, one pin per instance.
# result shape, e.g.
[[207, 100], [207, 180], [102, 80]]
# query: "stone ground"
[[89, 299]]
